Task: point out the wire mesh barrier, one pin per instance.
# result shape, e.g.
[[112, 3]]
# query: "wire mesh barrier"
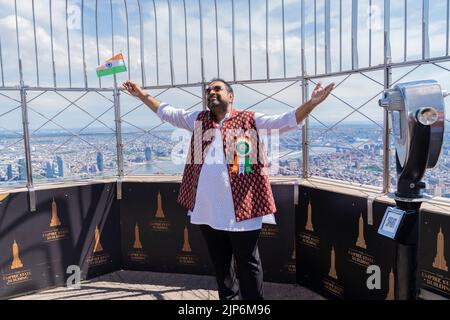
[[12, 167], [59, 122], [62, 151], [150, 145]]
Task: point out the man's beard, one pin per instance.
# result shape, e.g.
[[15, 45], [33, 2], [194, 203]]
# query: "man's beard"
[[216, 104]]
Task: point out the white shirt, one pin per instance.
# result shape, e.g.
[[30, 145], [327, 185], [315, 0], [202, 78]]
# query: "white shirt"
[[213, 201]]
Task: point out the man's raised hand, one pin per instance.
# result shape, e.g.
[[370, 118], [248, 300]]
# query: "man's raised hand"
[[320, 94], [134, 89]]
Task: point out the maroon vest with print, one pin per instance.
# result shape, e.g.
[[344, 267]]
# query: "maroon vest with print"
[[251, 192]]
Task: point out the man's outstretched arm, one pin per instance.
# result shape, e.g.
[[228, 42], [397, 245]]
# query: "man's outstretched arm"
[[318, 95], [290, 120], [179, 118]]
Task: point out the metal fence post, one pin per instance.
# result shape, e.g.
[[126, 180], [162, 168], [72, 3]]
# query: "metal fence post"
[[387, 84], [26, 141], [304, 94], [305, 132], [119, 145]]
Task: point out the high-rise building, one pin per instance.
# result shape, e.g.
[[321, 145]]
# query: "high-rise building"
[[148, 154], [9, 172], [49, 170], [22, 170], [59, 162], [437, 191], [100, 161], [93, 169]]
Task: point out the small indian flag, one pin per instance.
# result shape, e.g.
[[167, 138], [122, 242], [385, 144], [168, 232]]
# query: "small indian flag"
[[112, 66]]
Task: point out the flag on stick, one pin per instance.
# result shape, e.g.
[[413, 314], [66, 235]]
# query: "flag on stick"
[[114, 65]]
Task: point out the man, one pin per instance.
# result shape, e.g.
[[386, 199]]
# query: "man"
[[225, 184]]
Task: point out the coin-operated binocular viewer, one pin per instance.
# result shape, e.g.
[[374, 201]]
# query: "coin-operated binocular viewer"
[[418, 115]]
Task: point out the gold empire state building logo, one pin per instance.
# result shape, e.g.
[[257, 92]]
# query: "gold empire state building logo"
[[137, 242], [97, 246], [390, 295], [439, 260], [54, 222], [159, 210], [186, 245], [332, 273], [309, 226], [16, 263], [361, 242]]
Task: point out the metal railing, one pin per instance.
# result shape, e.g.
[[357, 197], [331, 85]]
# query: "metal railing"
[[175, 46]]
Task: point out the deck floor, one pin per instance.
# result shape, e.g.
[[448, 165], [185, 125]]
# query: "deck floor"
[[139, 285]]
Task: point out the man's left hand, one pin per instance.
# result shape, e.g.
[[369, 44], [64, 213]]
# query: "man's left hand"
[[320, 94]]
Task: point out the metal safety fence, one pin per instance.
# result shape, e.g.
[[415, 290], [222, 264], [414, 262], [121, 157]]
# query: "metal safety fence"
[[59, 122]]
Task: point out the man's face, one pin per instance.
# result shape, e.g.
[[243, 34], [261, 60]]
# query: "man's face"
[[217, 95]]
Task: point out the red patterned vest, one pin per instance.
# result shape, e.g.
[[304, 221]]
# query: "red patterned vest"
[[251, 192]]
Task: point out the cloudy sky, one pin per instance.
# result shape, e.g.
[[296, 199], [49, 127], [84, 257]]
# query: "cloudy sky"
[[283, 53]]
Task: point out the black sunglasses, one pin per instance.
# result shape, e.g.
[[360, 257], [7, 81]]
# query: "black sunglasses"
[[215, 88]]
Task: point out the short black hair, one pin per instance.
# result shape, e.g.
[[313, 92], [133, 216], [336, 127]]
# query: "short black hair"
[[229, 88]]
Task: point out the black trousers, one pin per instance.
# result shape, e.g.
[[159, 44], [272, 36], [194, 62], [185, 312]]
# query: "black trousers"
[[235, 257]]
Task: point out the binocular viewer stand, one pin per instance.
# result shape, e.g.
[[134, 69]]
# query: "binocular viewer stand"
[[418, 116]]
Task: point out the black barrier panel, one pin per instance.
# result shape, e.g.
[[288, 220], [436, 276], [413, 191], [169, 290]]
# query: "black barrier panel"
[[336, 243], [369, 271], [97, 230], [23, 254], [43, 248], [156, 235], [319, 249], [277, 242], [434, 253], [336, 240]]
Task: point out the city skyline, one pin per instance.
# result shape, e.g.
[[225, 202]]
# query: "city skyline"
[[353, 154]]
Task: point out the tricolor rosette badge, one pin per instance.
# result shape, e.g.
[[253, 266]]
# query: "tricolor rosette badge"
[[243, 149]]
